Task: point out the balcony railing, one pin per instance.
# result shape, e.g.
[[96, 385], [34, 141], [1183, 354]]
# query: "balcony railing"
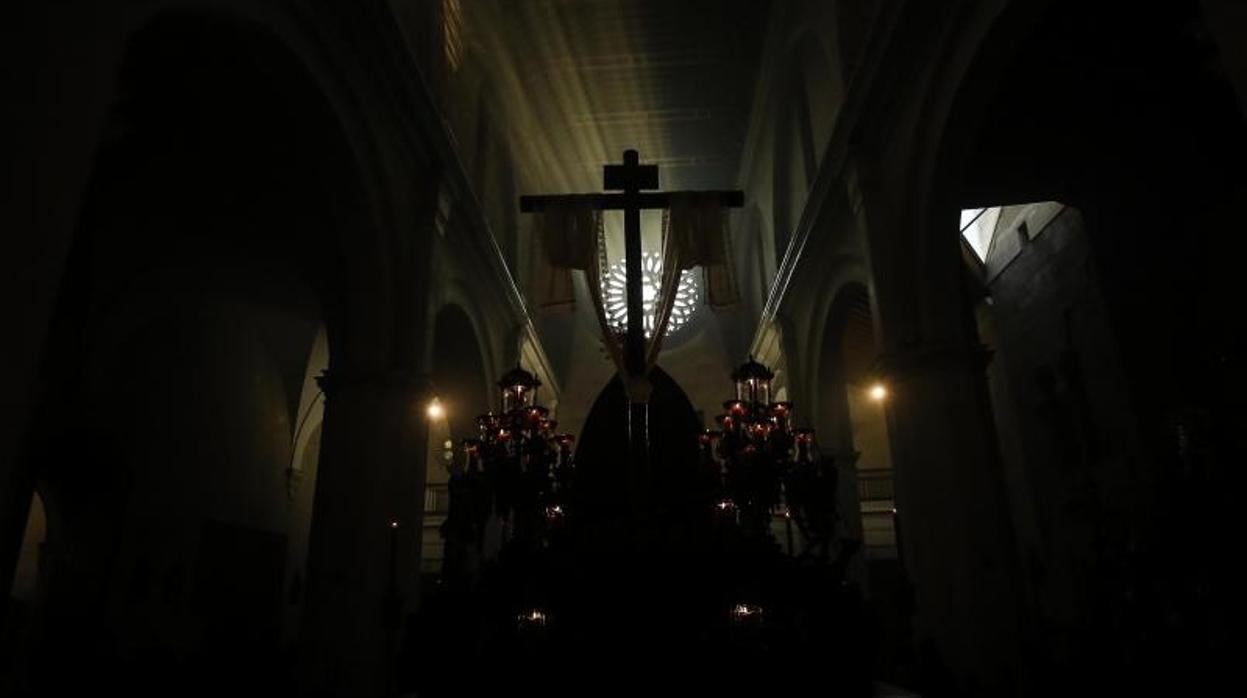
[[874, 485], [875, 496], [436, 501]]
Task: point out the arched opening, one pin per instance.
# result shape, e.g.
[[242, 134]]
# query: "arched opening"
[[852, 422], [28, 588], [27, 591], [26, 577], [300, 478], [1098, 209], [458, 371], [461, 393], [858, 427], [202, 270]]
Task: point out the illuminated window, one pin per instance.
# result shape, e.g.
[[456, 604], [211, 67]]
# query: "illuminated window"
[[978, 227], [615, 295]]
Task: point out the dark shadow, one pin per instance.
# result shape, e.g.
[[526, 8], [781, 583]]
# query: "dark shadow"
[[602, 457], [458, 371], [205, 259]]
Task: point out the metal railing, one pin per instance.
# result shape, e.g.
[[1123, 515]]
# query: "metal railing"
[[874, 486], [436, 500]]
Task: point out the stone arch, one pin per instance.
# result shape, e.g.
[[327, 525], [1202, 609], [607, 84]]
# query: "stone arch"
[[846, 373], [496, 346], [853, 427], [458, 372], [83, 479], [848, 282], [209, 173], [925, 302], [26, 580], [980, 43], [1135, 204], [311, 411], [343, 255], [1192, 124]]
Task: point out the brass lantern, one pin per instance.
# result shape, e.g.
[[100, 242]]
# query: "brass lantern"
[[753, 383], [519, 390]]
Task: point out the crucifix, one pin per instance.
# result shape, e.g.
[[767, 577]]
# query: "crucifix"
[[636, 184]]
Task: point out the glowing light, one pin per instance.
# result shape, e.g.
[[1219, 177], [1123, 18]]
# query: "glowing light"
[[615, 294], [533, 618], [394, 523], [435, 409], [742, 611], [878, 392]]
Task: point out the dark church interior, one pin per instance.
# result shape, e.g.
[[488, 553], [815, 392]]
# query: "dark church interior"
[[420, 348]]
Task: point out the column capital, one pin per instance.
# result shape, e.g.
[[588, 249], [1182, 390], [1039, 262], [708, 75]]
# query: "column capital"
[[918, 360], [334, 382]]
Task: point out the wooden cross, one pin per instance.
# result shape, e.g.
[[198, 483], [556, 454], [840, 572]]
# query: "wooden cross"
[[636, 182]]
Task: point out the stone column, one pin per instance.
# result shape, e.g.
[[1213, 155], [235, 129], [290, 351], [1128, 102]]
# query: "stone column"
[[1225, 21], [957, 540], [364, 545]]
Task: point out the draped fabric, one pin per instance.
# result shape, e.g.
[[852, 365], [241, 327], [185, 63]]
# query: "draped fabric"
[[569, 238], [674, 255], [699, 226], [572, 238], [695, 233], [612, 337]]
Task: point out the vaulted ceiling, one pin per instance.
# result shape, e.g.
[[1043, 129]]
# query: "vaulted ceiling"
[[580, 81], [558, 88]]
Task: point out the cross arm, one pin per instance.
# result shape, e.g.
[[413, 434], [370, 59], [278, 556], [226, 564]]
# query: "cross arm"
[[619, 202]]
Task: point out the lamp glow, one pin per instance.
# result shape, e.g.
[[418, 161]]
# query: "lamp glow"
[[536, 618], [878, 392], [745, 611], [435, 409]]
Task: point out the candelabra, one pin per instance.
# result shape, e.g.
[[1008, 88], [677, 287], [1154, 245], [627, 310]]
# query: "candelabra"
[[701, 571], [767, 468], [516, 472]]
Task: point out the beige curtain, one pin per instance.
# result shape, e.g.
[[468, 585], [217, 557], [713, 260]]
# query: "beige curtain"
[[699, 225], [611, 338], [695, 233], [568, 237], [572, 238]]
